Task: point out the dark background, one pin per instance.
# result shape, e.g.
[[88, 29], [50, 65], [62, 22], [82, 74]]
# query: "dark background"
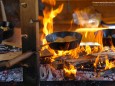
[[12, 10]]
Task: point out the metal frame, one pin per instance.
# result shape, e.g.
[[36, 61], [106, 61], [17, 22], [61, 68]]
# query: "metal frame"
[[77, 83]]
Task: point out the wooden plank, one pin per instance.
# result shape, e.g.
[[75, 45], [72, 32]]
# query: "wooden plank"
[[9, 56]]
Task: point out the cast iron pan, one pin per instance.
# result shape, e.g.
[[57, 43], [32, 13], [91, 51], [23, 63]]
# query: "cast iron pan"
[[63, 45], [9, 32]]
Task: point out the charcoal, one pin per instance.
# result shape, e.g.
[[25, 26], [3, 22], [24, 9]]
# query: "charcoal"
[[15, 75]]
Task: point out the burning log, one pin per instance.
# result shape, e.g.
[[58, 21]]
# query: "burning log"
[[70, 72], [109, 53], [45, 57], [45, 53], [45, 60]]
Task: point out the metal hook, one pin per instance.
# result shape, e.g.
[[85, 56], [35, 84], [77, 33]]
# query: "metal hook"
[[32, 20], [24, 5], [24, 36]]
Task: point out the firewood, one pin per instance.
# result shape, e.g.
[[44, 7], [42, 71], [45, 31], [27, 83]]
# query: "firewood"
[[45, 53]]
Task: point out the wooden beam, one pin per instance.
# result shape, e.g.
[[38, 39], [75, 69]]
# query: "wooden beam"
[[28, 11], [30, 38]]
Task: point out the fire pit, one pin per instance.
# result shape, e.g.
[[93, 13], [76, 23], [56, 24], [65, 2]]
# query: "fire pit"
[[90, 61], [86, 67]]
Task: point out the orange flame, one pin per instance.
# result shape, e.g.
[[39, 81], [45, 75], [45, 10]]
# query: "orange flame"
[[70, 70], [113, 48], [48, 19], [90, 30], [93, 34], [88, 49], [49, 15], [95, 49], [96, 61], [109, 65], [74, 53], [93, 37], [51, 2]]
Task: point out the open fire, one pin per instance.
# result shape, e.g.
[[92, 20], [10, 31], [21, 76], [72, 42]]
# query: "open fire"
[[89, 61]]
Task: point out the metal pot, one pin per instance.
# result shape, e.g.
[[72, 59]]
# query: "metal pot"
[[9, 32], [63, 45]]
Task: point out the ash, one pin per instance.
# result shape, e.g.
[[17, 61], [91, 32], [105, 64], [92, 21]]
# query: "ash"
[[49, 73], [15, 75]]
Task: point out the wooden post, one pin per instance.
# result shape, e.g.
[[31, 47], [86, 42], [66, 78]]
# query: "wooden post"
[[28, 11]]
